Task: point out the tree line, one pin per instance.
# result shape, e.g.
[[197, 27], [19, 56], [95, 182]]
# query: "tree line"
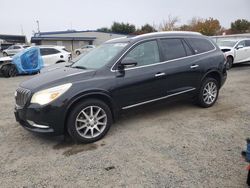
[[209, 27]]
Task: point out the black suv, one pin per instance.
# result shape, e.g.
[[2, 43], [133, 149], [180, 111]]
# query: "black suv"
[[84, 98]]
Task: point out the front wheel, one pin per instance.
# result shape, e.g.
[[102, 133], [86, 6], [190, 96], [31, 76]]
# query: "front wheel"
[[229, 62], [89, 121], [12, 71], [208, 93]]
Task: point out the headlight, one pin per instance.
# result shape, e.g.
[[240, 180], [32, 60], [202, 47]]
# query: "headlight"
[[48, 95]]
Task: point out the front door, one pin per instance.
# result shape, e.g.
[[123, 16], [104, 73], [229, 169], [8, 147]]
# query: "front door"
[[242, 54], [142, 83]]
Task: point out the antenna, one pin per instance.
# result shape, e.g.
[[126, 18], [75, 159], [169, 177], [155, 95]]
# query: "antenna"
[[38, 26]]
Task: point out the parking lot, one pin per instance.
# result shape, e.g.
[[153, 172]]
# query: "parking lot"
[[161, 145]]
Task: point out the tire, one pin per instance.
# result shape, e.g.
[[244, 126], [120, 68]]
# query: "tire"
[[78, 52], [230, 61], [5, 71], [83, 126], [208, 93], [12, 71], [5, 54]]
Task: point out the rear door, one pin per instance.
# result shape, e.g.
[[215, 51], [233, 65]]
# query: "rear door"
[[50, 56], [184, 65], [248, 50], [241, 54], [16, 49]]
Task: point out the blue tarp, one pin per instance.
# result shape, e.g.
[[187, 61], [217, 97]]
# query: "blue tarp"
[[28, 61]]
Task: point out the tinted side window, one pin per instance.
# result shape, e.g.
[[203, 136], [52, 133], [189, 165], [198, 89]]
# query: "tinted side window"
[[48, 51], [173, 49], [200, 45], [17, 47], [145, 54], [52, 51], [248, 43], [242, 43], [187, 48], [43, 51]]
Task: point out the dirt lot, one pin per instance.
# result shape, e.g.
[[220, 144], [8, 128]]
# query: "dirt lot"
[[167, 145]]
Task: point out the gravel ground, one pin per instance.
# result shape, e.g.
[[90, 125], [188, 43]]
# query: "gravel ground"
[[162, 145]]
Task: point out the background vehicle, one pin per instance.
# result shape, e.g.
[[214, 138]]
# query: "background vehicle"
[[50, 55], [236, 51], [61, 65], [4, 46], [54, 54], [86, 97], [28, 61], [14, 49], [84, 49]]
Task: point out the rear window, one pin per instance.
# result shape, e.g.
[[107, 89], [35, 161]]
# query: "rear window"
[[175, 48], [200, 45]]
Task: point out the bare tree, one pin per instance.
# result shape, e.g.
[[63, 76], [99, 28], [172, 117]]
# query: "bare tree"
[[169, 24]]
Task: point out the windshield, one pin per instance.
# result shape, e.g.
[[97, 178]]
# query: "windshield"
[[227, 43], [100, 56]]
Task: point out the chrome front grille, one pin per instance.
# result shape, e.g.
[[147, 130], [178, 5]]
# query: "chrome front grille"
[[22, 96]]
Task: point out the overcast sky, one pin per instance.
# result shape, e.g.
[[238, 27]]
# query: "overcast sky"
[[19, 16]]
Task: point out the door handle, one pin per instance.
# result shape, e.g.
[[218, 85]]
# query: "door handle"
[[194, 66], [160, 74]]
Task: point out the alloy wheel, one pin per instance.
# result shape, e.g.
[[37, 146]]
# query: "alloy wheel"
[[91, 122], [210, 92]]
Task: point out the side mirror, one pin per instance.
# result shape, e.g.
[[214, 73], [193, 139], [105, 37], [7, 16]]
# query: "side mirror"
[[239, 47], [127, 62]]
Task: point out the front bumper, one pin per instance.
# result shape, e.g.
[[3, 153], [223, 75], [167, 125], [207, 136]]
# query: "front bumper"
[[44, 120], [224, 77]]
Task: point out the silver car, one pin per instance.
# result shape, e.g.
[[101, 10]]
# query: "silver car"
[[84, 49], [14, 49]]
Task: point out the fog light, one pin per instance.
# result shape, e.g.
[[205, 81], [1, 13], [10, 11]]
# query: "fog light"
[[33, 124]]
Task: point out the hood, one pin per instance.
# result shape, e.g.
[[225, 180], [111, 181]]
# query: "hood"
[[57, 77], [54, 67], [225, 47], [5, 59]]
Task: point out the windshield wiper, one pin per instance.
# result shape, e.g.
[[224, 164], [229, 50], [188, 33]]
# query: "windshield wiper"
[[78, 67]]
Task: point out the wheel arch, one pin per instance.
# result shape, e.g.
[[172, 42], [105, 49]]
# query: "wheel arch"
[[60, 61], [92, 95], [230, 55], [213, 74]]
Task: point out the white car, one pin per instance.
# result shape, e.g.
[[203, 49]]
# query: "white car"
[[84, 49], [236, 51], [54, 54], [14, 49], [50, 55]]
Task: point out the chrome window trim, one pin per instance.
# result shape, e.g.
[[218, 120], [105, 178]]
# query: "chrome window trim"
[[163, 62], [157, 99]]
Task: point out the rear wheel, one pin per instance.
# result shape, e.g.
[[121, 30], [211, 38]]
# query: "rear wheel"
[[89, 121], [208, 93], [78, 52], [5, 54], [229, 62]]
